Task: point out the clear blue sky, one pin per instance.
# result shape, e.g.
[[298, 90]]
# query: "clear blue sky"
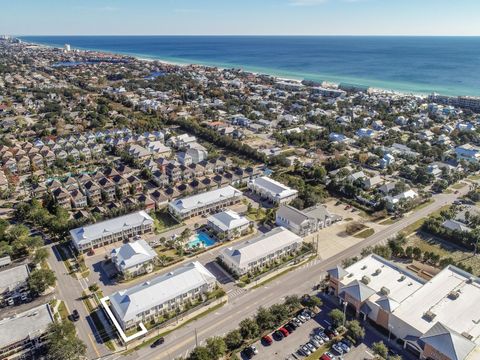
[[199, 17]]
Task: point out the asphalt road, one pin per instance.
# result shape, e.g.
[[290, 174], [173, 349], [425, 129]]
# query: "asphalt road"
[[299, 281]]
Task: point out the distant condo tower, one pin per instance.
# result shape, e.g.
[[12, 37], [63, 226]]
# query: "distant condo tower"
[[66, 47]]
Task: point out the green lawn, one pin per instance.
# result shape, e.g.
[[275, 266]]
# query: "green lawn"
[[458, 185], [163, 220], [365, 233]]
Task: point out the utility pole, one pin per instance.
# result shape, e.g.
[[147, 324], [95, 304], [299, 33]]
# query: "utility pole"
[[196, 338]]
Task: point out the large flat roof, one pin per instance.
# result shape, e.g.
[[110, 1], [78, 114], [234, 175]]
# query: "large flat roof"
[[128, 303], [86, 234], [190, 203], [274, 187], [384, 274], [260, 246], [31, 323], [461, 314]]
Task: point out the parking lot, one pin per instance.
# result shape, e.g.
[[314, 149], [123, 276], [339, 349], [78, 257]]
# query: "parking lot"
[[288, 347]]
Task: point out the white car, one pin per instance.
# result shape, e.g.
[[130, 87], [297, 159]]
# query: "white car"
[[337, 348], [318, 339], [344, 346], [305, 350], [301, 318], [315, 343], [297, 321], [310, 346], [254, 349]]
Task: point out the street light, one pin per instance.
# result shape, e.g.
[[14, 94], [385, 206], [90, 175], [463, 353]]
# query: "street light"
[[344, 312], [390, 328]]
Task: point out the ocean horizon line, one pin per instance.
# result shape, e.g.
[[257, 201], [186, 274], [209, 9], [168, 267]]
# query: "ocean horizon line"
[[210, 51]]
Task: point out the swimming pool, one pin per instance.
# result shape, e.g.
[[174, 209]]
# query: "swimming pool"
[[201, 238]]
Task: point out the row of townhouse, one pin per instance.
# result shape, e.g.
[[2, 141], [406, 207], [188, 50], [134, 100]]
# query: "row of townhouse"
[[92, 190]]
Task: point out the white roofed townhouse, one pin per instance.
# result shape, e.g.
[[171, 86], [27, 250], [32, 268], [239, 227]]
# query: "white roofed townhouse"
[[23, 333], [228, 224], [209, 202], [124, 227], [260, 251], [161, 295], [134, 258], [272, 190]]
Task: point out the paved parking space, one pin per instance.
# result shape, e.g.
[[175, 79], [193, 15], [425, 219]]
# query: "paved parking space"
[[282, 349]]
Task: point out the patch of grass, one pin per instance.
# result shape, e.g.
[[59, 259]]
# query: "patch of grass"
[[155, 338], [62, 311], [388, 221], [443, 249], [423, 205], [163, 220], [365, 233], [319, 352], [474, 177], [102, 332], [458, 185]]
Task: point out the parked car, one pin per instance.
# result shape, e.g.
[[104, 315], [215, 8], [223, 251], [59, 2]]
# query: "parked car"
[[329, 333], [289, 327], [254, 349], [305, 350], [292, 324], [277, 335], [309, 312], [75, 315], [318, 339], [157, 342], [306, 315], [267, 340], [310, 346], [325, 357], [315, 343], [248, 352], [296, 321], [333, 330], [344, 346], [301, 318], [284, 331], [337, 348]]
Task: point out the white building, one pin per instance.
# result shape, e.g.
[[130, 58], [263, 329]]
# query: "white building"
[[13, 279], [272, 190], [229, 224], [134, 258], [304, 222], [204, 203], [109, 231], [393, 201], [163, 294], [436, 318], [260, 251], [23, 333]]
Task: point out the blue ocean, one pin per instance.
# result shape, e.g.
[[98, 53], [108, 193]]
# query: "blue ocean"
[[446, 65]]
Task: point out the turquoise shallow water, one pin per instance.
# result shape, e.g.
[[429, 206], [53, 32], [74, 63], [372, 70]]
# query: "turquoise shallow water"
[[447, 65]]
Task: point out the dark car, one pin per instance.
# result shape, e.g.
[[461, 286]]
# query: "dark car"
[[278, 335], [329, 333], [157, 342], [292, 324], [75, 315], [248, 352], [289, 328]]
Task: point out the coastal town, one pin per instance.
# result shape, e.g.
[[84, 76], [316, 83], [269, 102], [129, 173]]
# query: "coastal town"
[[151, 210]]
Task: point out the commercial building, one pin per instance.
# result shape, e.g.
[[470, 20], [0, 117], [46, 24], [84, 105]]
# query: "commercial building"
[[304, 222], [22, 334], [161, 295], [123, 227], [134, 258], [272, 190], [435, 319], [256, 253], [228, 224], [204, 203]]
